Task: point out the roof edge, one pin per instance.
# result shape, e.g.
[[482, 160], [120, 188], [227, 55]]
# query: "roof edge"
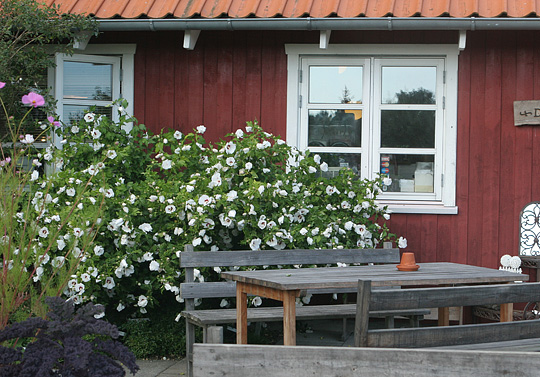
[[310, 23]]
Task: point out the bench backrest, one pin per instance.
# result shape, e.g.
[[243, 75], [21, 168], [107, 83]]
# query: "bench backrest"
[[189, 260], [302, 361], [396, 299]]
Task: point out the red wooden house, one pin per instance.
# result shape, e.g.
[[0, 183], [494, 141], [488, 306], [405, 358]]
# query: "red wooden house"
[[421, 90]]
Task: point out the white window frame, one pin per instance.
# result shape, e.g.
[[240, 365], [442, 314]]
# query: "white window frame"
[[443, 201], [122, 56]]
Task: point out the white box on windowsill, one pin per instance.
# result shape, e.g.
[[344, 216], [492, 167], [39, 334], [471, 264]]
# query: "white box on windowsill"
[[406, 185], [423, 181]]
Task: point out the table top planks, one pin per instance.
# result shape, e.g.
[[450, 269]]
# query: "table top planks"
[[441, 273]]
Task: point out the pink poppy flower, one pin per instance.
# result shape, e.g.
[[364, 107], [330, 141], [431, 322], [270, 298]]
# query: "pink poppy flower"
[[53, 121], [2, 84], [33, 99]]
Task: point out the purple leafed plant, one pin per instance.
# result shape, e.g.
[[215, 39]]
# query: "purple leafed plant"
[[70, 343]]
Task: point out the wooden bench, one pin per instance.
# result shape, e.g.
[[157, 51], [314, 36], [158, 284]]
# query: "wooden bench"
[[302, 361], [208, 318], [399, 299]]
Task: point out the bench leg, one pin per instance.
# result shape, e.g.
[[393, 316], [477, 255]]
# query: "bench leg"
[[190, 340], [214, 335], [344, 331], [389, 322]]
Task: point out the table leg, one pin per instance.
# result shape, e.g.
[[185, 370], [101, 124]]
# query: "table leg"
[[444, 317], [507, 312], [289, 318], [241, 314]]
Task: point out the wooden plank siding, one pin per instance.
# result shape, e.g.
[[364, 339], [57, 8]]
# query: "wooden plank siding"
[[234, 77]]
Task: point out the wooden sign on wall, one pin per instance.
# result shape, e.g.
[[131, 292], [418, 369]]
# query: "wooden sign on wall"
[[526, 112]]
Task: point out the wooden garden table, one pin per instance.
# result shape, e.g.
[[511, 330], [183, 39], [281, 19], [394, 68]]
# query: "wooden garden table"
[[286, 284]]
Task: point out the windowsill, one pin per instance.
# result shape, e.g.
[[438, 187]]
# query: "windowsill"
[[428, 208]]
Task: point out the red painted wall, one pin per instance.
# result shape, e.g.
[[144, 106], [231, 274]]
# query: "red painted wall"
[[232, 77]]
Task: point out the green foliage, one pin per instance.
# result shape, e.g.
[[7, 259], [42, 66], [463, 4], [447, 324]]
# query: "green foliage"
[[29, 33], [157, 335]]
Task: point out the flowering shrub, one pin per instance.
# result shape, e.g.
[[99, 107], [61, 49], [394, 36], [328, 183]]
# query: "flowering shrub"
[[28, 230], [158, 193]]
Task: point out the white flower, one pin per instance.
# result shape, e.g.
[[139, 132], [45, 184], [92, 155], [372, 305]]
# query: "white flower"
[[143, 301], [205, 200], [97, 146], [154, 266], [111, 154], [230, 147], [312, 170], [386, 216], [99, 250], [120, 307], [43, 232], [28, 139], [317, 159], [197, 241], [402, 243], [89, 117], [34, 176], [232, 195], [239, 133], [257, 301], [70, 192], [61, 244], [177, 135], [255, 244], [201, 129], [148, 256], [95, 133], [303, 231], [170, 208], [224, 303], [58, 262], [166, 164], [262, 222], [85, 277], [387, 181], [324, 166], [109, 193], [230, 161], [330, 190], [216, 180], [78, 232], [145, 227], [109, 283], [75, 129]]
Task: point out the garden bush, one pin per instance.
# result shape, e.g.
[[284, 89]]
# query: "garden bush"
[[157, 193]]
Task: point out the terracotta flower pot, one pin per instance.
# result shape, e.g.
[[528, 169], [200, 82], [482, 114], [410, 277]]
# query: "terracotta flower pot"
[[407, 263]]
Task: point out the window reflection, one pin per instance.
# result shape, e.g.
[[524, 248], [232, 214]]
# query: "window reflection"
[[409, 85], [335, 84], [409, 173], [74, 113], [338, 161], [408, 128], [334, 128], [87, 81]]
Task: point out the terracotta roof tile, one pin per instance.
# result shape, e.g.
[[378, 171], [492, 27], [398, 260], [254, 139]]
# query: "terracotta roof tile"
[[299, 8]]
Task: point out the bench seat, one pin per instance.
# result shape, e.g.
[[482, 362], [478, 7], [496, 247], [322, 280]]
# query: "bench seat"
[[211, 317]]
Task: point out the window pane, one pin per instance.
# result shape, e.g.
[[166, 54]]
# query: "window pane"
[[409, 173], [408, 128], [335, 128], [335, 84], [414, 85], [338, 161], [74, 113], [87, 81]]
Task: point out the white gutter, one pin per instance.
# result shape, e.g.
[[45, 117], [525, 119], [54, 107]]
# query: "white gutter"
[[360, 23]]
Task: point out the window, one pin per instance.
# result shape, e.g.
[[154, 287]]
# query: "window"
[[103, 74], [387, 110]]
